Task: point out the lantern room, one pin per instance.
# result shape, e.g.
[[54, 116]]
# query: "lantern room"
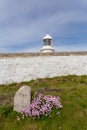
[[47, 44]]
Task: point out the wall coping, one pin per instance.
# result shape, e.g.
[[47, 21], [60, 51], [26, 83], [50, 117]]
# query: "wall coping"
[[14, 55]]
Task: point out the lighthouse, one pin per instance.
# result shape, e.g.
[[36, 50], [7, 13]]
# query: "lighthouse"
[[47, 44]]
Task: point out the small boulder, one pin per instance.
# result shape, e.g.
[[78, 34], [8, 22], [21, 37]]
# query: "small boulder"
[[22, 98]]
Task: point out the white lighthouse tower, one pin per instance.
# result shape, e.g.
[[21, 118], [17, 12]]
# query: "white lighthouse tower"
[[47, 44]]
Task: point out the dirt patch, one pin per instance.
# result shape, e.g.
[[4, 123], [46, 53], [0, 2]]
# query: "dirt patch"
[[6, 99], [73, 89], [42, 90]]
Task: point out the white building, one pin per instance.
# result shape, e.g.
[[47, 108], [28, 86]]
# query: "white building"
[[47, 44]]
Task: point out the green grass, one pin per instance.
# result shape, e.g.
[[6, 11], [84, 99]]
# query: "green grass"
[[73, 93]]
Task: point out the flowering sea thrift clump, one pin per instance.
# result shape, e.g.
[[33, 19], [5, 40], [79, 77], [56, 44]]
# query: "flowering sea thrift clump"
[[42, 105]]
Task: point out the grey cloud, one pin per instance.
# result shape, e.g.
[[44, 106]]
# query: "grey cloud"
[[27, 21]]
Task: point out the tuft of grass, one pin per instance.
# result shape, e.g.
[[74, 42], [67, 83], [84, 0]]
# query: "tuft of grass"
[[73, 93]]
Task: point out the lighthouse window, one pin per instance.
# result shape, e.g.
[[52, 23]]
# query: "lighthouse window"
[[47, 42]]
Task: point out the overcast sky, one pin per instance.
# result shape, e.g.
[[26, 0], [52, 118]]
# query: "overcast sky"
[[23, 24]]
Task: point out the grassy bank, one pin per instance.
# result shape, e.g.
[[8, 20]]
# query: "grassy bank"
[[73, 93]]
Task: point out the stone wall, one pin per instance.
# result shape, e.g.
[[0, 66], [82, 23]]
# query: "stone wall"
[[18, 69]]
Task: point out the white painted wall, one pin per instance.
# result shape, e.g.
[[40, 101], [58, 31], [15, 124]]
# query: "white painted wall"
[[26, 69]]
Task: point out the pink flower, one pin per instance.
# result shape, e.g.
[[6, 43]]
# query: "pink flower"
[[42, 105]]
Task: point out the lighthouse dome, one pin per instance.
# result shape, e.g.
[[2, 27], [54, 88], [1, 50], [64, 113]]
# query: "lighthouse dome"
[[47, 37]]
